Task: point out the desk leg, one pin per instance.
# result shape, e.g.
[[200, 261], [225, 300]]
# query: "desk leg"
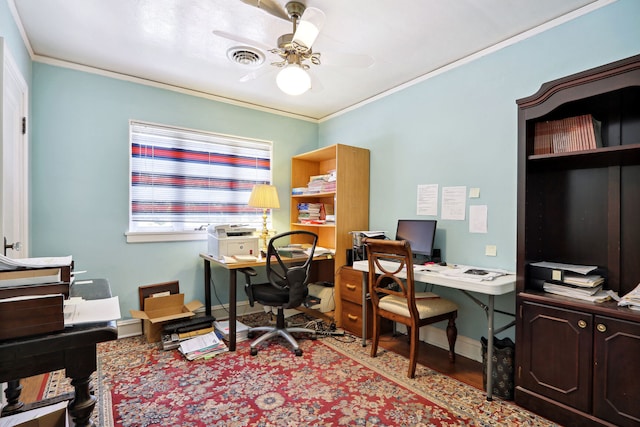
[[490, 349], [12, 393], [232, 309], [80, 363], [207, 287]]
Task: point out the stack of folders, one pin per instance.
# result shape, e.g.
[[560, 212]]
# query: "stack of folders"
[[587, 288], [203, 346], [579, 282]]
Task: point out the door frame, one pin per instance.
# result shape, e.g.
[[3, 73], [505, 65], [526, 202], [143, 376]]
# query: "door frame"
[[10, 74]]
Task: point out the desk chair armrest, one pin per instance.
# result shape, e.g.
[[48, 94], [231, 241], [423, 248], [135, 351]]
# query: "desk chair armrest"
[[248, 274]]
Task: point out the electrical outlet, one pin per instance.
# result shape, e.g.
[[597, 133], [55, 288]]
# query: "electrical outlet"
[[490, 250]]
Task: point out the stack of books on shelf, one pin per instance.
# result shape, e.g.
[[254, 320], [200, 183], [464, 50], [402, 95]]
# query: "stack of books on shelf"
[[202, 346], [567, 135], [315, 213], [309, 212], [325, 183]]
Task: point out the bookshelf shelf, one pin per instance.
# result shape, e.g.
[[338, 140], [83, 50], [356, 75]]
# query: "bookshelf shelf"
[[313, 196], [300, 224]]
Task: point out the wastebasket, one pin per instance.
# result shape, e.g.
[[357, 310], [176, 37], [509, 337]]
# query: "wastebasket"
[[502, 367]]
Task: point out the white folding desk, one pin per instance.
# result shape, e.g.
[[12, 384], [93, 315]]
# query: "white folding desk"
[[498, 286]]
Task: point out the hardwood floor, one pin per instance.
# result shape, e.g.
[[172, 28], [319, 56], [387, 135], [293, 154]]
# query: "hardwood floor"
[[31, 388], [464, 370]]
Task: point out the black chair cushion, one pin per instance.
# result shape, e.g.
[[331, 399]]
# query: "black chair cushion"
[[266, 294]]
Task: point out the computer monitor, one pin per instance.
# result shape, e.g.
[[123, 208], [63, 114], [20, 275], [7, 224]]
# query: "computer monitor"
[[420, 233]]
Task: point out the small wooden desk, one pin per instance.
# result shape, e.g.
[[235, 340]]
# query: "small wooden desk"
[[498, 286], [233, 275], [73, 349]]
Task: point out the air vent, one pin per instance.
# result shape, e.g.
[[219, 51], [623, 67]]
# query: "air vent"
[[245, 56]]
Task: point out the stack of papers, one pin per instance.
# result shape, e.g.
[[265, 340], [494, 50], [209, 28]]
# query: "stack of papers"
[[222, 326], [472, 274], [7, 263], [595, 294], [78, 311], [584, 281], [319, 251], [632, 299], [203, 346]]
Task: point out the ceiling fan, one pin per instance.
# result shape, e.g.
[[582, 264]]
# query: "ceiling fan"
[[295, 48]]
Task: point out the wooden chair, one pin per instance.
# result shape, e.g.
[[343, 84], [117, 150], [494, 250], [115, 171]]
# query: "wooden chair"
[[394, 298]]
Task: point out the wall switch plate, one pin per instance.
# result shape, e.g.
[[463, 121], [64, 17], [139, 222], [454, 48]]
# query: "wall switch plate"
[[491, 250], [474, 193]]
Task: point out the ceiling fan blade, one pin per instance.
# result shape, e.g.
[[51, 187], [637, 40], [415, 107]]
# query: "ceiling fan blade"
[[311, 22], [261, 72], [242, 40], [268, 6], [346, 60], [316, 84]]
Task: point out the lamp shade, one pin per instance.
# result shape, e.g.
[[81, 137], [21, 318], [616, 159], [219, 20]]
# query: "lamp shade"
[[264, 196], [293, 80]]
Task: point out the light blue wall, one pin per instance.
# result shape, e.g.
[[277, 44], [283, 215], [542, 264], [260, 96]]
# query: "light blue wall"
[[80, 182], [13, 42], [460, 128]]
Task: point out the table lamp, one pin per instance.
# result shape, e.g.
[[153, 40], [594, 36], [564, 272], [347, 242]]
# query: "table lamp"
[[266, 197]]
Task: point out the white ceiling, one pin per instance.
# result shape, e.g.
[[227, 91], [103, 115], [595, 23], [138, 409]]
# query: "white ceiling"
[[172, 42]]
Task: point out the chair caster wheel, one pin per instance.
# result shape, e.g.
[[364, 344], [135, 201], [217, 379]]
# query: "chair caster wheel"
[[314, 337], [298, 352], [250, 334], [254, 351]]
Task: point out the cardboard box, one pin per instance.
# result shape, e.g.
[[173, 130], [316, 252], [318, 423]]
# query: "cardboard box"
[[31, 315], [47, 416], [158, 310]]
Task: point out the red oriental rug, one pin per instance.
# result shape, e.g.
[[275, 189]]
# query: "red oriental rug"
[[334, 383]]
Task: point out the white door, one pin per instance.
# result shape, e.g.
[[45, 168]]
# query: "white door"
[[14, 151]]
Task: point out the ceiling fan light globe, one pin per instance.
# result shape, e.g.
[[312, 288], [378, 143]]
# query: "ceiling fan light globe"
[[293, 80], [309, 27]]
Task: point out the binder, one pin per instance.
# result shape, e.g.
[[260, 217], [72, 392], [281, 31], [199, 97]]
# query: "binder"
[[546, 274]]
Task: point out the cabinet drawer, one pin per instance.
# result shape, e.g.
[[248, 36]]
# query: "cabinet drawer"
[[352, 317], [351, 285]]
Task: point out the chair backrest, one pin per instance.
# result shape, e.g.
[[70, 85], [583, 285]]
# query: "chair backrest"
[[292, 276], [386, 259]]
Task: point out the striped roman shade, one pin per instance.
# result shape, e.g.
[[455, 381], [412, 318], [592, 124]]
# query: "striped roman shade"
[[184, 178]]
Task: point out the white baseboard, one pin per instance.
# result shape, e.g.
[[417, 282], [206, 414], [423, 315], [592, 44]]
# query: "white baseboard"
[[465, 346], [133, 327]]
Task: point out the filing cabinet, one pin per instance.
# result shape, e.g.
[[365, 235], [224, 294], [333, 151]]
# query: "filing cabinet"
[[350, 283]]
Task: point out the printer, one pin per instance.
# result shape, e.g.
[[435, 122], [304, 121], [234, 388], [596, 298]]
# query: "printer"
[[230, 240]]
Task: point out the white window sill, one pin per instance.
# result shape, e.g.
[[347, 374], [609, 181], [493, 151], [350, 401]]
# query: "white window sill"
[[165, 236]]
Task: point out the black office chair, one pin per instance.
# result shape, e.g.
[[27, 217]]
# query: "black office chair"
[[287, 286]]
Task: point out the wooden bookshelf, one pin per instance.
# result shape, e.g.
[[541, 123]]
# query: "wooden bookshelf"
[[350, 199]]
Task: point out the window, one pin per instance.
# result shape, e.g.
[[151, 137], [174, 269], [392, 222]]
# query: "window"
[[182, 180]]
